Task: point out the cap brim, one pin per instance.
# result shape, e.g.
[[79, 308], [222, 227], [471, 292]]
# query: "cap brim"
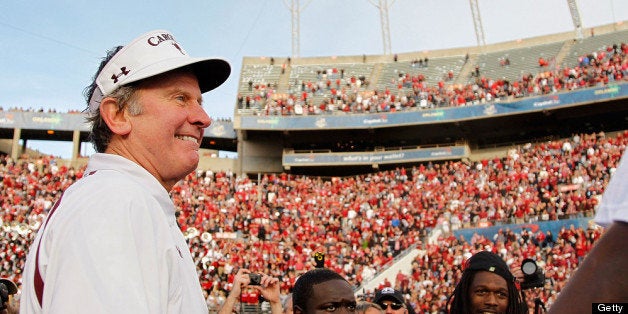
[[210, 72], [389, 298]]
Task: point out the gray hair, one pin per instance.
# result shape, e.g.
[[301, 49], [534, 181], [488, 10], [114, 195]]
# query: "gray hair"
[[100, 135]]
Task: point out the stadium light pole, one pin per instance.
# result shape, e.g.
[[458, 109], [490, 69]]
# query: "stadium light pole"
[[383, 16], [575, 17], [477, 23], [613, 14], [295, 11]]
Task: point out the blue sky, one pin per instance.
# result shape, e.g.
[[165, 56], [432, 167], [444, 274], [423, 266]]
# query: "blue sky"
[[50, 49]]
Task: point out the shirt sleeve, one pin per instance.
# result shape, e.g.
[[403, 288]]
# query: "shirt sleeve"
[[614, 204]]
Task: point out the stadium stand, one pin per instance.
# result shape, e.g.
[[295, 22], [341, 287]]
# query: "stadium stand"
[[449, 75], [521, 61], [433, 71], [361, 223], [593, 44], [367, 223]]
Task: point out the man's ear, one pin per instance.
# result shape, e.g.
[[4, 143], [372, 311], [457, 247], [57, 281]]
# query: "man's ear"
[[117, 120], [297, 309]]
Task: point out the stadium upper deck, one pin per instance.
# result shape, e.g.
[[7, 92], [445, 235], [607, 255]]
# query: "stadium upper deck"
[[267, 85], [359, 113]]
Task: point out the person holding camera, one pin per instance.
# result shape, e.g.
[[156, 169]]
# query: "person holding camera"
[[7, 289], [487, 285], [267, 286]]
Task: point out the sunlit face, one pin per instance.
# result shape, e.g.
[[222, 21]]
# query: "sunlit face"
[[488, 293], [166, 136], [332, 296], [372, 310]]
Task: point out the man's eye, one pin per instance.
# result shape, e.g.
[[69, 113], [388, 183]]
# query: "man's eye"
[[502, 295], [331, 308], [480, 292], [351, 307]]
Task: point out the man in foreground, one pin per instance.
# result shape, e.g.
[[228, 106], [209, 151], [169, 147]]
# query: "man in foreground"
[[111, 243], [322, 290], [487, 286]]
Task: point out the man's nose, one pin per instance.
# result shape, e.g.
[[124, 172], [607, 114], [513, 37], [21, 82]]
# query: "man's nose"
[[344, 310], [199, 117], [491, 299]]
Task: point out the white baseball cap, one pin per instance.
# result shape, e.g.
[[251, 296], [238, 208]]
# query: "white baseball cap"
[[150, 54]]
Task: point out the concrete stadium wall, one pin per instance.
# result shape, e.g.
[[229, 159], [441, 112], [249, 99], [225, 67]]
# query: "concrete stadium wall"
[[259, 155], [5, 146], [216, 164]]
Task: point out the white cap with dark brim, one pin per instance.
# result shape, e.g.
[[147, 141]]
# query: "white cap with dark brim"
[[150, 54]]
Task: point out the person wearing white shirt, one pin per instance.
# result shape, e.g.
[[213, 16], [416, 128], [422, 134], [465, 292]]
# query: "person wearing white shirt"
[[602, 276], [111, 243]]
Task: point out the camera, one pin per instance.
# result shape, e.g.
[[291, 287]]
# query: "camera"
[[7, 288], [319, 259], [255, 279], [533, 276]]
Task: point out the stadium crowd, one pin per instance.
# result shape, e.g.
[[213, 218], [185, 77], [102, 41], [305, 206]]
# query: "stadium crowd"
[[334, 92], [361, 222], [436, 271], [31, 109]]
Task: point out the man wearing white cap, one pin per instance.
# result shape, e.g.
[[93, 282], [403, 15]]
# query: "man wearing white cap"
[[111, 243]]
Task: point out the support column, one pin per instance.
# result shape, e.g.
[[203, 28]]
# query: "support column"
[[76, 145], [15, 145]]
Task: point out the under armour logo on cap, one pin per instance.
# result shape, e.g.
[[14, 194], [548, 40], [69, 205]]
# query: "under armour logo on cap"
[[116, 76], [152, 54]]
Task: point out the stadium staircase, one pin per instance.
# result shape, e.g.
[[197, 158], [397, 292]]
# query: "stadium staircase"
[[401, 263], [465, 71], [377, 72], [284, 81], [522, 61], [564, 52], [436, 70], [309, 73]]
